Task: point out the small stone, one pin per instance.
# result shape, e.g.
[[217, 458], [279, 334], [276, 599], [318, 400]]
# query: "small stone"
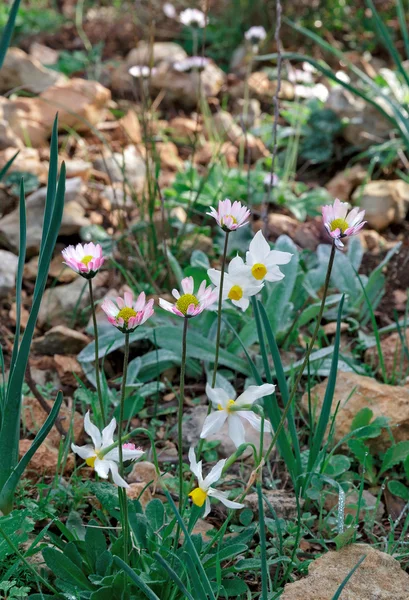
[[27, 161], [283, 503], [279, 224], [384, 201], [130, 166], [8, 272], [395, 358], [20, 70], [168, 156], [354, 392], [60, 340], [139, 491], [144, 53], [343, 184], [78, 168], [330, 329], [263, 88], [228, 130], [131, 126], [378, 577], [143, 472], [69, 370], [196, 241], [33, 417], [184, 129], [45, 55], [46, 460]]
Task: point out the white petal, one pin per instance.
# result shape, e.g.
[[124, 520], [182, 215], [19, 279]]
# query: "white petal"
[[108, 434], [243, 303], [165, 304], [92, 431], [213, 423], [102, 467], [217, 396], [83, 451], [195, 467], [116, 478], [280, 258], [214, 474], [222, 496], [259, 247], [208, 508], [126, 454], [254, 392], [214, 276], [236, 430], [254, 420]]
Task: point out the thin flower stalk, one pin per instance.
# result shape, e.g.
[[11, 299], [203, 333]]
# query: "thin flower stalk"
[[180, 411], [96, 345], [219, 311], [123, 499]]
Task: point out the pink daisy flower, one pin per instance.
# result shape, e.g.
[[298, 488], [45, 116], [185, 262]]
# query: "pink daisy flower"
[[230, 216], [84, 259], [125, 314], [189, 304], [339, 223]]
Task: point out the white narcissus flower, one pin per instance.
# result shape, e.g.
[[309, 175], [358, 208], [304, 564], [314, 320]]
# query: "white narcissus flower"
[[190, 304], [193, 17], [263, 261], [230, 216], [234, 411], [201, 494], [256, 34], [238, 284], [339, 223], [107, 463]]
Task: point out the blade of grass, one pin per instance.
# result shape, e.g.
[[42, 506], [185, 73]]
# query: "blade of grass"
[[173, 575], [8, 31], [136, 579], [403, 27], [263, 544], [20, 269], [337, 594], [328, 397], [8, 164]]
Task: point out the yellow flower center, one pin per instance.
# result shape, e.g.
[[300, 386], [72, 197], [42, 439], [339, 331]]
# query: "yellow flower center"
[[198, 496], [87, 259], [258, 271], [91, 461], [226, 217], [339, 224], [228, 407], [185, 301], [236, 293], [126, 313]]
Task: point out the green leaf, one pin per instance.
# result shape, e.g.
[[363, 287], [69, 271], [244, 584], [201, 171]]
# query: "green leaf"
[[95, 542], [398, 489], [394, 455], [173, 575], [155, 514], [63, 568], [17, 526], [234, 587], [8, 164], [136, 579], [342, 539], [279, 298], [362, 418]]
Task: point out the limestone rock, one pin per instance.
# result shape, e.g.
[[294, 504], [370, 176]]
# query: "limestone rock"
[[28, 160], [33, 417], [8, 272], [44, 54], [283, 503], [354, 392], [183, 128], [144, 53], [60, 340], [22, 71], [384, 201], [58, 303], [143, 472], [139, 491], [80, 103], [72, 221], [395, 359], [263, 88], [193, 426], [378, 577], [343, 184], [46, 460], [365, 123], [129, 165], [168, 155], [68, 369], [183, 87], [78, 168], [228, 130], [368, 504]]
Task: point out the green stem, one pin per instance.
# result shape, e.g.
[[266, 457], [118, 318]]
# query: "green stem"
[[307, 354], [219, 311], [180, 410], [97, 374], [123, 499]]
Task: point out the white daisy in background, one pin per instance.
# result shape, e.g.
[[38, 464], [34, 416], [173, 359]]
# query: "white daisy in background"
[[126, 314], [238, 284], [169, 10], [263, 261], [190, 304], [339, 223], [93, 455], [142, 71], [201, 494], [193, 17], [234, 411], [192, 63], [255, 35], [230, 216]]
